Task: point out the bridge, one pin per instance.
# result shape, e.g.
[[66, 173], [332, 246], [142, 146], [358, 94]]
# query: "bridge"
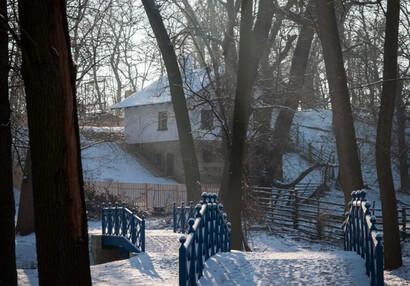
[[274, 261]]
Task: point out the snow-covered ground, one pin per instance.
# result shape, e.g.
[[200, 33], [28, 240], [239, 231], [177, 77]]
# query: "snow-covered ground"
[[106, 161], [280, 259], [275, 260]]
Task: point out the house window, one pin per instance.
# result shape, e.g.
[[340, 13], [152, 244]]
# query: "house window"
[[206, 156], [207, 119], [162, 121]]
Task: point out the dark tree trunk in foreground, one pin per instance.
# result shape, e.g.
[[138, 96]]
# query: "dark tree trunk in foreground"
[[346, 144], [401, 138], [58, 191], [252, 43], [8, 274], [190, 163], [294, 93], [25, 217], [392, 250]]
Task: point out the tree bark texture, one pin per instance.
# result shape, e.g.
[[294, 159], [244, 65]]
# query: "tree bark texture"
[[346, 144], [58, 190], [190, 163], [401, 138], [391, 235], [294, 93], [8, 274], [251, 45], [25, 217]]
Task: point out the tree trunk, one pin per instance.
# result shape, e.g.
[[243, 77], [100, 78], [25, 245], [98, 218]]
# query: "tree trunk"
[[283, 123], [8, 274], [401, 136], [58, 190], [346, 144], [392, 250], [25, 217], [251, 46], [190, 163]]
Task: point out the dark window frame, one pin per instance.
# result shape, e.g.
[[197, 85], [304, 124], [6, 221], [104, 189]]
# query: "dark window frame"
[[162, 121]]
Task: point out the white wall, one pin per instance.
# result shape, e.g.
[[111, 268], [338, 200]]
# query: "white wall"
[[141, 124]]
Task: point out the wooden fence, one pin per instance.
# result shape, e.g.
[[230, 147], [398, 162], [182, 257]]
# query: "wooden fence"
[[315, 218], [146, 195], [288, 209]]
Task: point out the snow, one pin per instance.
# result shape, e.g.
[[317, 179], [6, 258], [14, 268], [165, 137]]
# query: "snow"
[[159, 91], [106, 161], [277, 259]]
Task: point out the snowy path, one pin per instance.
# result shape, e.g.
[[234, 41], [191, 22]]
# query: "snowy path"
[[281, 264], [157, 266], [275, 268], [275, 261]]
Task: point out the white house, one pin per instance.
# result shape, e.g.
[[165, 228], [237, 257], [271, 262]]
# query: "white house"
[[150, 126]]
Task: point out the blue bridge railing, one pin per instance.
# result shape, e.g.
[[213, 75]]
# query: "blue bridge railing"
[[208, 234], [181, 216], [122, 228], [361, 235]]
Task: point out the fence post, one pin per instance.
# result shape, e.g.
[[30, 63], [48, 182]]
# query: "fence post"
[[177, 194], [174, 214], [310, 152], [146, 195], [183, 218], [182, 262], [295, 209]]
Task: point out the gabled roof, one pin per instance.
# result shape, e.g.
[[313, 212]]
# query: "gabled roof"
[[159, 91]]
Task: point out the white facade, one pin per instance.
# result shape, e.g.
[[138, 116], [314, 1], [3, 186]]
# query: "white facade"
[[142, 124], [142, 111]]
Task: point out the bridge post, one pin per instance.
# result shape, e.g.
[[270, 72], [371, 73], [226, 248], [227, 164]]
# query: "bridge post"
[[143, 234], [103, 218], [109, 219], [200, 240], [379, 260], [192, 264], [133, 232], [212, 228], [350, 229], [124, 220], [116, 220], [221, 228], [367, 238], [182, 262]]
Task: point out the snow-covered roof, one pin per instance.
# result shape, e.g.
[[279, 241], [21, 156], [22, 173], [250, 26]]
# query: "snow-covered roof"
[[159, 91]]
